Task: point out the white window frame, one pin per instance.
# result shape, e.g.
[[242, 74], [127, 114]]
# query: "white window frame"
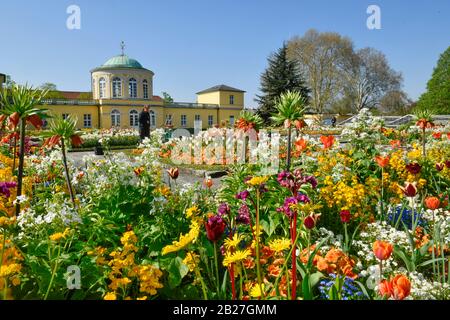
[[231, 99], [134, 118], [132, 88], [152, 119], [117, 87], [198, 117], [168, 121], [183, 120], [210, 120], [115, 118], [87, 120], [232, 118], [145, 89], [102, 88]]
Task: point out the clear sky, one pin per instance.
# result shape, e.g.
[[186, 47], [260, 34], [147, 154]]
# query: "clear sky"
[[194, 44]]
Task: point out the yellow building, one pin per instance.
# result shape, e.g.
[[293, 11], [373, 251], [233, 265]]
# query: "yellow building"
[[121, 87]]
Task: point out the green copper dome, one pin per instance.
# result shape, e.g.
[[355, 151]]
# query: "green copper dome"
[[122, 61]]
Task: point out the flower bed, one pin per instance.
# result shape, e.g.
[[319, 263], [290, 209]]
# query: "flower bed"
[[366, 220]]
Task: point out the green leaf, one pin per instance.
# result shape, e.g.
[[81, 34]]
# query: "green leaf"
[[177, 270]]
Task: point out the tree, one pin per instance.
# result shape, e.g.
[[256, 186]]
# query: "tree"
[[396, 103], [281, 75], [367, 78], [290, 107], [437, 96], [167, 98], [61, 132], [19, 105], [322, 58], [48, 86]]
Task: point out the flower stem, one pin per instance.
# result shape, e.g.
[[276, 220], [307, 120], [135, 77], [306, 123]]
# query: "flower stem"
[[55, 267], [258, 262], [294, 257], [217, 269]]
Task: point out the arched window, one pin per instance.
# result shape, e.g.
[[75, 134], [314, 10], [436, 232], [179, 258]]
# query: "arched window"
[[101, 87], [132, 88], [115, 118], [145, 89], [117, 88], [134, 118], [152, 119]]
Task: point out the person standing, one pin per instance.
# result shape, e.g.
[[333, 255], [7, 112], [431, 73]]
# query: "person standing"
[[144, 123]]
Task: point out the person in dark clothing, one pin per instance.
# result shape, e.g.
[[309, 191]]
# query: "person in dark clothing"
[[333, 121], [144, 123]]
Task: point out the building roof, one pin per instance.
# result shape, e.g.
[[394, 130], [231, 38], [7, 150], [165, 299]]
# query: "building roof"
[[121, 61], [72, 95], [220, 87]]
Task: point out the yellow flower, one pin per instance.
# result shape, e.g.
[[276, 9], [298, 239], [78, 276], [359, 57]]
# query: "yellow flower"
[[257, 181], [142, 298], [7, 270], [234, 242], [192, 211], [279, 245], [255, 292], [128, 238], [191, 260], [60, 235], [110, 296], [185, 239], [237, 256]]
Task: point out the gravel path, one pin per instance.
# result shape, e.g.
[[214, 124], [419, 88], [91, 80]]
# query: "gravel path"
[[185, 177]]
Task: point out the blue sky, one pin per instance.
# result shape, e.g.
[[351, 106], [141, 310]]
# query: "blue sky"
[[192, 45]]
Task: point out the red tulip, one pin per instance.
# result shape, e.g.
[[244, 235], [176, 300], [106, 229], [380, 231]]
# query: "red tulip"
[[382, 249], [413, 168], [447, 163], [300, 144], [35, 120], [76, 140], [424, 124], [214, 228], [327, 141], [432, 203], [437, 135], [410, 189], [382, 161], [345, 216], [311, 220], [440, 166], [173, 173]]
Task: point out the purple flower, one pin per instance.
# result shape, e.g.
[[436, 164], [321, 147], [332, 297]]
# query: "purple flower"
[[289, 202], [5, 186], [311, 180], [215, 228], [243, 195], [243, 215], [224, 209], [302, 198]]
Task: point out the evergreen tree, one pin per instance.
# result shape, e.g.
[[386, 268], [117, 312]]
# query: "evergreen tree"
[[281, 75], [437, 97]]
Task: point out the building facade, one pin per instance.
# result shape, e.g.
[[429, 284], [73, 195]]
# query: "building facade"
[[121, 87]]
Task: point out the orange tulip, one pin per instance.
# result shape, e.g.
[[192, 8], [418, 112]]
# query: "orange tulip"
[[382, 161], [382, 249], [300, 144], [13, 120], [327, 141], [432, 203], [208, 182], [401, 287], [300, 124], [76, 140], [385, 288], [437, 135], [395, 143]]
